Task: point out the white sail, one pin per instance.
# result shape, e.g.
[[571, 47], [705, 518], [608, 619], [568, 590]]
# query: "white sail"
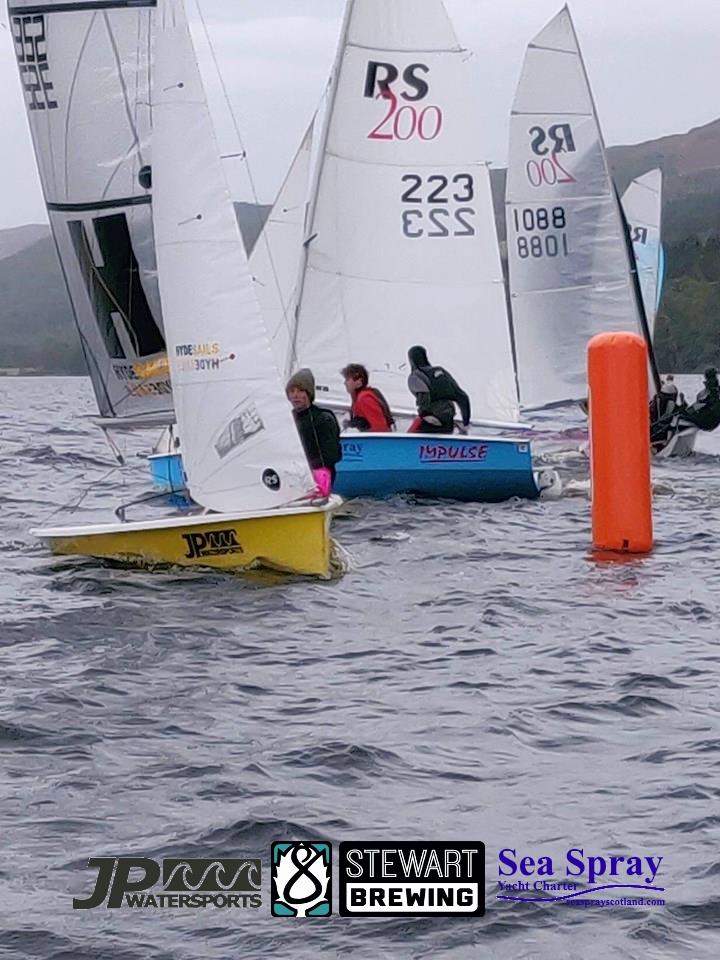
[[85, 70], [401, 245], [275, 258], [568, 256], [240, 446], [642, 203]]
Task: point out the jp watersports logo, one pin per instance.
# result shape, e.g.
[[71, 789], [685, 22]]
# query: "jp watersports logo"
[[418, 879], [124, 881], [301, 879], [214, 543], [581, 880]]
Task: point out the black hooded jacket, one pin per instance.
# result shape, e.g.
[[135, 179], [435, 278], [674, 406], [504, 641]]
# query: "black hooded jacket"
[[435, 389], [320, 437]]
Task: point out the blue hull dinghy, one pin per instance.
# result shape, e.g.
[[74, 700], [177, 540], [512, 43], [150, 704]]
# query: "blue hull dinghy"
[[384, 464]]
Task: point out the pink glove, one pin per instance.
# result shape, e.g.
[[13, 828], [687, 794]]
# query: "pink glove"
[[323, 479]]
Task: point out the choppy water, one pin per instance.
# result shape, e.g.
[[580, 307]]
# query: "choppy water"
[[477, 676]]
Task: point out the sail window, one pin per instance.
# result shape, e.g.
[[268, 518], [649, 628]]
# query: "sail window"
[[112, 278]]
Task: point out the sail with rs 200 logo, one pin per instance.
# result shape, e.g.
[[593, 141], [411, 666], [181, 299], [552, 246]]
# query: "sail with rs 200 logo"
[[571, 270], [85, 69], [400, 240]]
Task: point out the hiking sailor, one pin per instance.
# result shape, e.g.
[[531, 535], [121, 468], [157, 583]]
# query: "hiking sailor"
[[318, 429], [436, 393], [664, 404], [369, 410], [705, 411]]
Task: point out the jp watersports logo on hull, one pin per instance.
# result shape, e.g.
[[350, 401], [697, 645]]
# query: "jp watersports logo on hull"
[[412, 879], [214, 543], [186, 883], [581, 880], [301, 879]]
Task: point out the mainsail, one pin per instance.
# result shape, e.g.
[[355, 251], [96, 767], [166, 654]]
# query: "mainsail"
[[241, 450], [85, 69], [275, 258], [568, 255], [401, 246], [642, 203]]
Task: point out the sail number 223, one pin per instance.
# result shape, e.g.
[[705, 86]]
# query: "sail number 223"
[[438, 206], [541, 232]]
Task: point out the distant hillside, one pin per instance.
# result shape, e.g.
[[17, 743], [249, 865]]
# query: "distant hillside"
[[690, 163], [18, 238], [38, 330]]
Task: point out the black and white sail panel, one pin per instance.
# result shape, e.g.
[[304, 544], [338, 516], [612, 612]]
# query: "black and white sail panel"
[[85, 71]]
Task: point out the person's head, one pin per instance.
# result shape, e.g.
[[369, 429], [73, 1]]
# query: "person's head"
[[418, 357], [355, 376], [711, 379], [668, 387], [300, 389]]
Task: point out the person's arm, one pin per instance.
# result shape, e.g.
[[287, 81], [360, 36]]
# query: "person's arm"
[[462, 400]]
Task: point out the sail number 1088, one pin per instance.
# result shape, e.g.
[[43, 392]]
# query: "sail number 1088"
[[542, 223]]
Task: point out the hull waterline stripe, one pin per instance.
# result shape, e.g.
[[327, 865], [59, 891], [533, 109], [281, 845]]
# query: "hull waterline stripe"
[[99, 204], [83, 5]]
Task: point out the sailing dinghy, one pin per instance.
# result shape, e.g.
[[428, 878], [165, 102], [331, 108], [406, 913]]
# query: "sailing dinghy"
[[400, 247], [243, 461], [571, 269]]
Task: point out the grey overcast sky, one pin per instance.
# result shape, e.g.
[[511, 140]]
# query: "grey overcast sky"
[[653, 65]]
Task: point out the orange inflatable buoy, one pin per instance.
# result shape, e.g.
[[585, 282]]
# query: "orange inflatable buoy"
[[620, 443]]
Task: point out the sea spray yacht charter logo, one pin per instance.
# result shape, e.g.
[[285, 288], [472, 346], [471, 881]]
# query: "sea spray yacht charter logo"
[[419, 879], [581, 879], [301, 879], [193, 883]]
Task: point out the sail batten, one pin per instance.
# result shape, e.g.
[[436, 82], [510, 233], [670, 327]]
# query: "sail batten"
[[569, 269]]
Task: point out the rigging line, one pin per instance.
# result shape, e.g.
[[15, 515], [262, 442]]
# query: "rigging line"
[[251, 180], [130, 391], [72, 507]]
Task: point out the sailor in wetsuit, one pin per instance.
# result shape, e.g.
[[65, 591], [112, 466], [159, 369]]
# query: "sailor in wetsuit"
[[436, 393], [318, 429], [705, 411]]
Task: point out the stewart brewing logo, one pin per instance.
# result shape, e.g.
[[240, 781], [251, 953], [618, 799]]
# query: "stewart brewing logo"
[[301, 879], [191, 883]]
